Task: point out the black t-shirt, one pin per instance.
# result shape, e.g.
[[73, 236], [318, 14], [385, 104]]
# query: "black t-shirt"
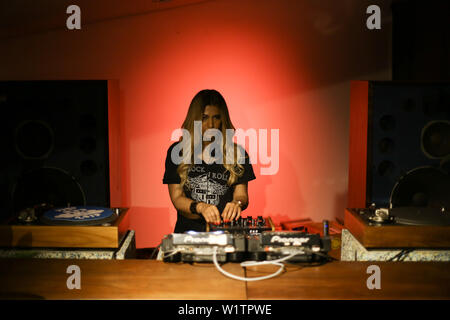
[[208, 183]]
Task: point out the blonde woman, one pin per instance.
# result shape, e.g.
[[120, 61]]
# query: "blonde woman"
[[207, 180]]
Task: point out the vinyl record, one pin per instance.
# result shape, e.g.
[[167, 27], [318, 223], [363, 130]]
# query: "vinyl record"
[[421, 216], [78, 215]]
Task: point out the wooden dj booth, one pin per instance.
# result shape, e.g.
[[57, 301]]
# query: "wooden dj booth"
[[145, 279]]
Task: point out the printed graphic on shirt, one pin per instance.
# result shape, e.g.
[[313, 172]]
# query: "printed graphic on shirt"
[[205, 189]]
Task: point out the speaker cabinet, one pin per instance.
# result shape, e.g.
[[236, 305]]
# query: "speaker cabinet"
[[399, 136], [55, 141]]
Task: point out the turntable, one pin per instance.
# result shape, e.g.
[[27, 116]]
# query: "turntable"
[[418, 215], [67, 227], [401, 230]]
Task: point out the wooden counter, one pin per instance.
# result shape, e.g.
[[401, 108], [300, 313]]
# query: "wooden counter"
[[348, 280], [107, 279], [150, 279]]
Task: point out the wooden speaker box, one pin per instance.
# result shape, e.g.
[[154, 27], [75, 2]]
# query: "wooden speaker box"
[[389, 137], [399, 157], [60, 143]]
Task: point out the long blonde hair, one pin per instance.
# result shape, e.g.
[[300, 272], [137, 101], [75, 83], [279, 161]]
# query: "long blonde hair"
[[196, 108]]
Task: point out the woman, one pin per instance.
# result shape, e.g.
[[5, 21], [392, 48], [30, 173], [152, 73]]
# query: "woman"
[[205, 188]]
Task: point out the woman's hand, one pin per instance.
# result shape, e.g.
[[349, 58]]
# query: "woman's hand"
[[232, 211], [209, 212]]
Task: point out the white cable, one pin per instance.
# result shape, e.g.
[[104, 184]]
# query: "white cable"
[[256, 263], [253, 263], [171, 253]]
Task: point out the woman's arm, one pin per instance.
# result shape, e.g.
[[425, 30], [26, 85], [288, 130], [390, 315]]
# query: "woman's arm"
[[183, 204], [233, 209]]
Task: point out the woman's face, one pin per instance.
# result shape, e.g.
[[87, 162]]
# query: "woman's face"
[[211, 118]]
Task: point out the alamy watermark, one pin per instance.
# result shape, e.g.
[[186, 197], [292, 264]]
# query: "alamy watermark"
[[74, 280], [374, 20], [74, 20], [374, 281], [213, 152]]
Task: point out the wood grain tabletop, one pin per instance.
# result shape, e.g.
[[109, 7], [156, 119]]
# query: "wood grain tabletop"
[[150, 279]]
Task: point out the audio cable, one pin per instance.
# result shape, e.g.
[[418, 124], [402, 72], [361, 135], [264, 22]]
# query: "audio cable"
[[277, 262]]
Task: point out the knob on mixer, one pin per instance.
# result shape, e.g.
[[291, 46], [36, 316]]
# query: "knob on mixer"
[[243, 225], [260, 221]]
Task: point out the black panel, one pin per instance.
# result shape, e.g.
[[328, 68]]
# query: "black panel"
[[54, 142]]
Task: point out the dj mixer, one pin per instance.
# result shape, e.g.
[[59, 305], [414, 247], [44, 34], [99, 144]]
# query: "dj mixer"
[[247, 225], [243, 239]]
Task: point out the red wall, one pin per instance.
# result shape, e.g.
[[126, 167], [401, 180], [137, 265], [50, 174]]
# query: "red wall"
[[283, 65]]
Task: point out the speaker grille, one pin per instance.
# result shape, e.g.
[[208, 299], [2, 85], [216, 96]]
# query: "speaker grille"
[[408, 128]]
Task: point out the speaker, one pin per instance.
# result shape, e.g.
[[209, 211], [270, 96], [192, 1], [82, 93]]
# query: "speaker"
[[55, 144], [399, 144]]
